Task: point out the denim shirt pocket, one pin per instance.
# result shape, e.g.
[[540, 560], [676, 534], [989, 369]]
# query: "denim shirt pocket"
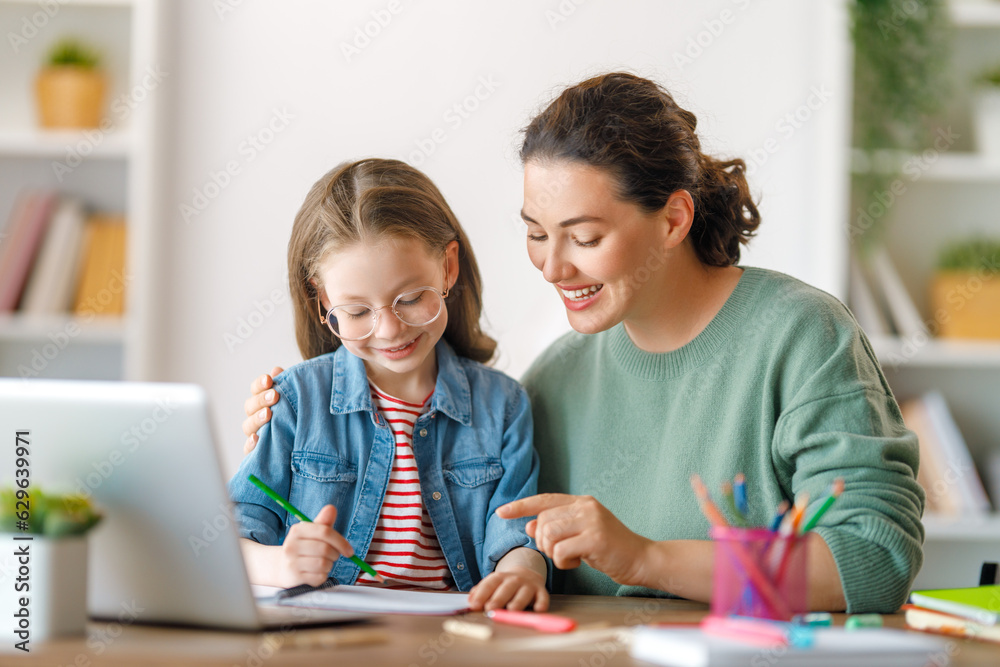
[[471, 484], [322, 479]]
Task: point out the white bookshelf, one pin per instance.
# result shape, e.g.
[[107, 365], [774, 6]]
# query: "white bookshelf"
[[116, 173], [953, 194], [975, 14], [957, 167]]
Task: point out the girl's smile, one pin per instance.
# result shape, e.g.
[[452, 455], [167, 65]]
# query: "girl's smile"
[[400, 351]]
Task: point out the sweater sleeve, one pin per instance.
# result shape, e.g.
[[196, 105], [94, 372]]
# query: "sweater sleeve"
[[874, 529]]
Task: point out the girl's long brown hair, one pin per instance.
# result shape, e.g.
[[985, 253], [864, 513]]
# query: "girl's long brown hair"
[[632, 127], [370, 200]]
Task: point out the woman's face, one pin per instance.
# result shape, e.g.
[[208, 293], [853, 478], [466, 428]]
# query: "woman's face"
[[599, 252]]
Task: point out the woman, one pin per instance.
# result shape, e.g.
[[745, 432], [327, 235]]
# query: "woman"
[[683, 362]]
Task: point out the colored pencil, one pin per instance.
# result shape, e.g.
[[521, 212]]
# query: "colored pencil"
[[287, 506], [838, 488]]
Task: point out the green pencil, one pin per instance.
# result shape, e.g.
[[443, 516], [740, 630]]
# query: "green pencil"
[[302, 517], [838, 488]]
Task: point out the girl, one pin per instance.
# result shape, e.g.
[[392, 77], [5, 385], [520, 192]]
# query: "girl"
[[393, 435], [683, 361]]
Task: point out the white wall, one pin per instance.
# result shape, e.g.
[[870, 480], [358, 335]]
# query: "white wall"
[[230, 72]]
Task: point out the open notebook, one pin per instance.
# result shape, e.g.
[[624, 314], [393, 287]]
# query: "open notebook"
[[370, 600]]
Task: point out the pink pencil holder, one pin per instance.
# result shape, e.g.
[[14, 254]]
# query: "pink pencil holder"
[[758, 574]]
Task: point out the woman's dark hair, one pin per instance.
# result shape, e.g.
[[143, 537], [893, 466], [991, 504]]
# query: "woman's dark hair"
[[632, 127], [368, 201]]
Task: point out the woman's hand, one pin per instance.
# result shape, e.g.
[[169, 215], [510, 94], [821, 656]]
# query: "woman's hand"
[[257, 407], [310, 549], [517, 582], [571, 529]]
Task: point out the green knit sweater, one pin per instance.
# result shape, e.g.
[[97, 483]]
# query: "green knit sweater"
[[782, 386]]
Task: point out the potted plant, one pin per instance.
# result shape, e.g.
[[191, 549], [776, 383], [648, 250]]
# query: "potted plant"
[[987, 112], [46, 533], [965, 291], [901, 80], [70, 88]]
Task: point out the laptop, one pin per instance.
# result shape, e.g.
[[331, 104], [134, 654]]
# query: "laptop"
[[167, 550]]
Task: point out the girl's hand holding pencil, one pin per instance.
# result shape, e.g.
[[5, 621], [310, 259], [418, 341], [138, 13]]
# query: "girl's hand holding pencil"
[[311, 548]]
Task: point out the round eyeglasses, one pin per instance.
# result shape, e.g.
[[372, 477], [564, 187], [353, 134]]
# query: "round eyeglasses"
[[356, 321]]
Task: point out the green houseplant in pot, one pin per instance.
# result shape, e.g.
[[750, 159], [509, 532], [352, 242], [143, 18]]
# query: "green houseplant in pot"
[[901, 81], [47, 535], [965, 291], [987, 111], [70, 87]]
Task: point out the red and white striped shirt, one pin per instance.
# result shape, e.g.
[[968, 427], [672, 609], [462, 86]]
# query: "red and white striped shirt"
[[405, 548]]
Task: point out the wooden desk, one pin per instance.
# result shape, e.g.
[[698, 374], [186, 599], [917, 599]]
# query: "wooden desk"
[[411, 641]]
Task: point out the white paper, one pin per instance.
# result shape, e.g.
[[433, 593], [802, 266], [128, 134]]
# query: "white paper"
[[834, 647], [382, 601]]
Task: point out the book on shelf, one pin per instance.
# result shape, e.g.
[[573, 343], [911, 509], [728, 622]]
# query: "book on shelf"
[[50, 288], [899, 305], [930, 620], [24, 234], [879, 298], [993, 476], [54, 258], [947, 472], [101, 289], [864, 305]]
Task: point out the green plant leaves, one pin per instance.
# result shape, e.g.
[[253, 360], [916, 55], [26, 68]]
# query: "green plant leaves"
[[50, 515], [971, 255], [70, 52]]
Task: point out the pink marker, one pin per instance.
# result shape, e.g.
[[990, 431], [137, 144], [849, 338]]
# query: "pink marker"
[[530, 619]]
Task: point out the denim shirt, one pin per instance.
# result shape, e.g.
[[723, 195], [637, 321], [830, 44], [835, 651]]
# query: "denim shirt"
[[326, 443]]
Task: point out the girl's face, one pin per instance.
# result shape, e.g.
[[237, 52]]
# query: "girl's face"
[[598, 251], [375, 274]]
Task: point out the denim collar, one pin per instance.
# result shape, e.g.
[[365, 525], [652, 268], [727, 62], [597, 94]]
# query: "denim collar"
[[350, 391]]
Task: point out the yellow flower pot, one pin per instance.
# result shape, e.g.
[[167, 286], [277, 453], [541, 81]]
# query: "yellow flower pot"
[[70, 97], [966, 304]]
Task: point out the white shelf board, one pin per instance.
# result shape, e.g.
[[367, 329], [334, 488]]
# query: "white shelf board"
[[942, 167], [79, 3], [87, 144], [976, 14], [941, 353], [18, 327], [985, 528]]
